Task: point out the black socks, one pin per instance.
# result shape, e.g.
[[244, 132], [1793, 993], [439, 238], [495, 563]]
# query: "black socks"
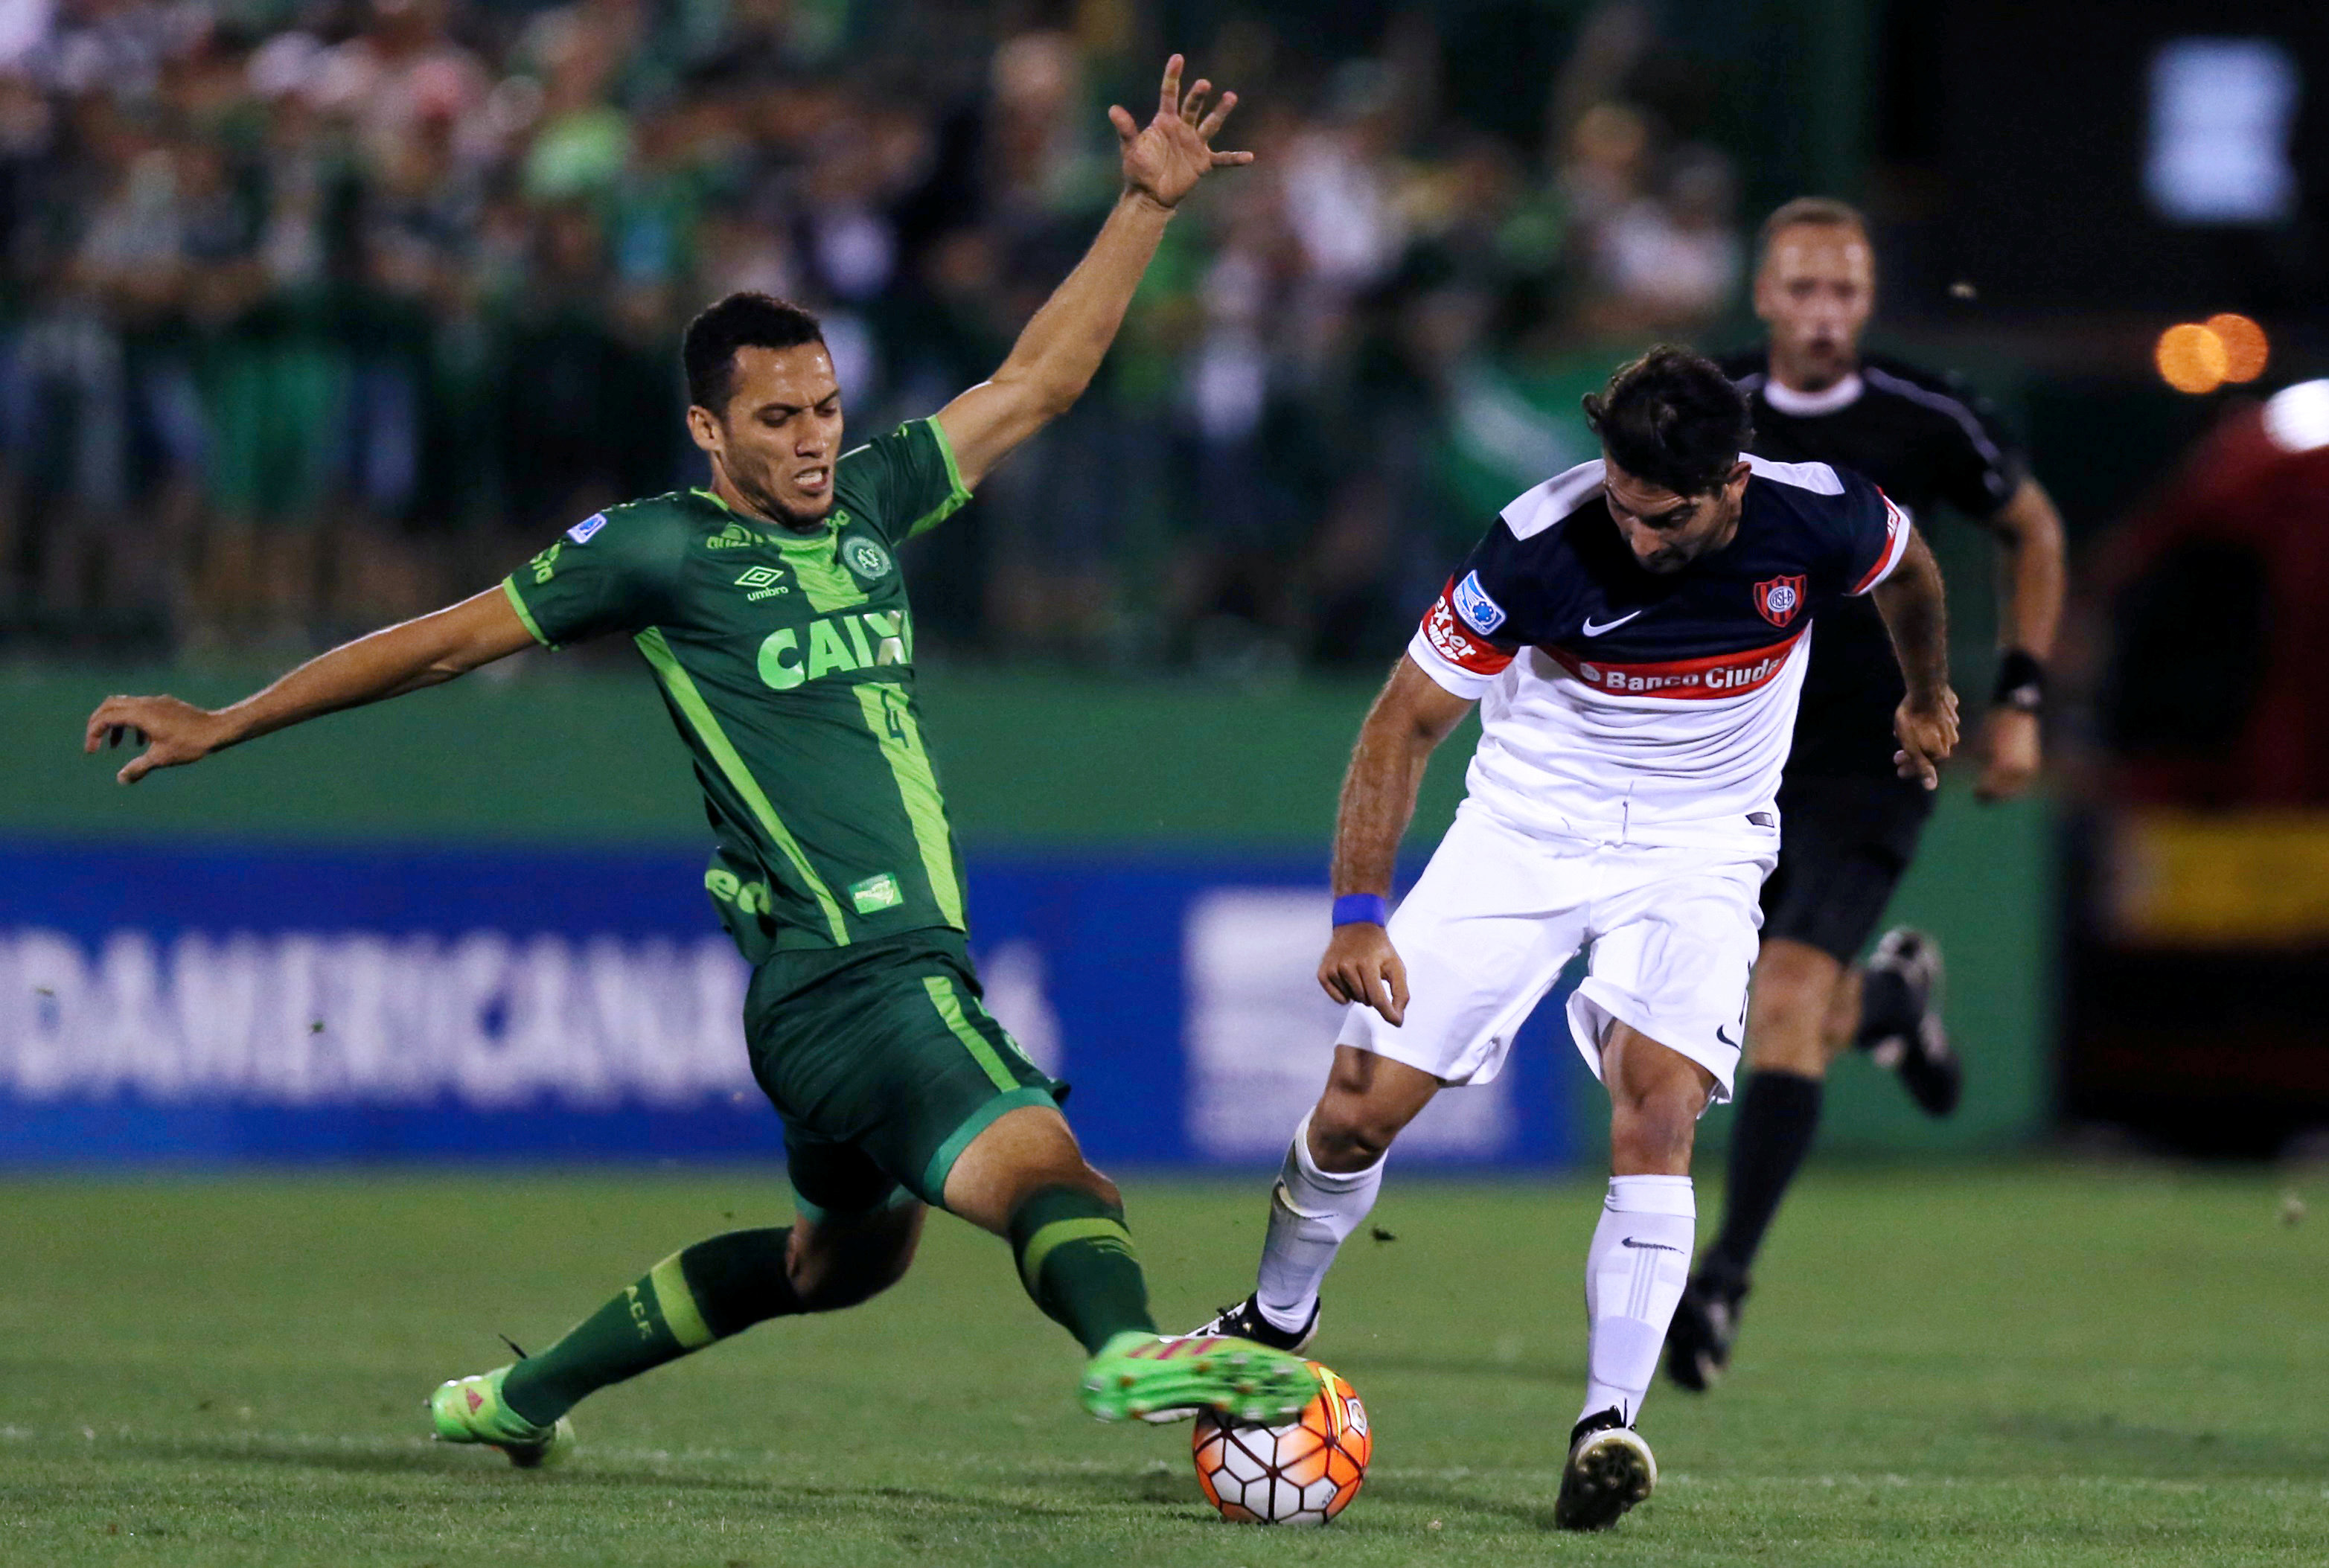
[[1779, 1113]]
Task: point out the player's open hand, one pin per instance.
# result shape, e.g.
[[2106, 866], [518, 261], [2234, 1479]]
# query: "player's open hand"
[[1164, 160], [174, 733], [1927, 732], [2009, 754], [1362, 966]]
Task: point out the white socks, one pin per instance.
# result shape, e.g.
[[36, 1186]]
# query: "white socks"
[[1633, 1277], [1634, 1274], [1312, 1213]]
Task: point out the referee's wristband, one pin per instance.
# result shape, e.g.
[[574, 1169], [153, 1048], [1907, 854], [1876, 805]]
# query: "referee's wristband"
[[2021, 682], [1362, 909]]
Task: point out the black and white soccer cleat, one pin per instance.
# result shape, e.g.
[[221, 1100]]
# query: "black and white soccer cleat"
[[1245, 1321], [1609, 1469], [1698, 1341], [1900, 1019]]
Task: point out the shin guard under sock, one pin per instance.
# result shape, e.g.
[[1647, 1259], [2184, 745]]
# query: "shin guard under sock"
[[1312, 1213]]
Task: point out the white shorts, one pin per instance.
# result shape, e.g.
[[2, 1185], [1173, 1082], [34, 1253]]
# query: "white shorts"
[[1499, 913]]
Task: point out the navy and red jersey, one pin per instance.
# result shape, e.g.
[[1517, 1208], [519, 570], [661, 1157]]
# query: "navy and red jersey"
[[1657, 706]]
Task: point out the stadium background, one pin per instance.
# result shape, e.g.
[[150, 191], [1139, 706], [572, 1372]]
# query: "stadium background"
[[315, 315], [315, 312]]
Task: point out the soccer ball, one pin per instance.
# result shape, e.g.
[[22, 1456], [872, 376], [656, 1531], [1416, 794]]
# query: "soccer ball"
[[1301, 1473]]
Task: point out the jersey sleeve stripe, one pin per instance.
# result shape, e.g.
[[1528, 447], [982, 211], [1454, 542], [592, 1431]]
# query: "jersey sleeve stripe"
[[1445, 673], [959, 492], [700, 717], [1940, 402], [1456, 644], [1897, 530], [509, 589]]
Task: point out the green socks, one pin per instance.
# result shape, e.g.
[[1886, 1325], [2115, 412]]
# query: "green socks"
[[1074, 1255], [706, 1293], [1076, 1259]]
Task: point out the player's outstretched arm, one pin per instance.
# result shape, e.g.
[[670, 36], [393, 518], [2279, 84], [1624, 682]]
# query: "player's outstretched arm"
[[403, 658], [1061, 347], [1916, 613], [1411, 716], [2030, 606]]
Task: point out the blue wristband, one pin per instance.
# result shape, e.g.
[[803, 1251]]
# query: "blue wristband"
[[1362, 909]]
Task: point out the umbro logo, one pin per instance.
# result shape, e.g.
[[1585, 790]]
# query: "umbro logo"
[[766, 582]]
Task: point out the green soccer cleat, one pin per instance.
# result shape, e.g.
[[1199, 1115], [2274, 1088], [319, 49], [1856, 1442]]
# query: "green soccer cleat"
[[1146, 1377], [470, 1409]]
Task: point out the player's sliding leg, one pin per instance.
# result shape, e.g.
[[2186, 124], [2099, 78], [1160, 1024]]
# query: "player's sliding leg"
[[701, 1294], [1324, 1190], [1634, 1270], [1025, 1179]]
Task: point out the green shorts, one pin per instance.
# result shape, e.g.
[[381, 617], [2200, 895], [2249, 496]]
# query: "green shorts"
[[884, 1065]]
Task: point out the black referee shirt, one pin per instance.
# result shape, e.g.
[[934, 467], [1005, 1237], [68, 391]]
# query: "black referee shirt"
[[1926, 439]]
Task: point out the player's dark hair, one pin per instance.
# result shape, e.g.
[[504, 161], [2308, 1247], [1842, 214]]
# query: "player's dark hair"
[[1818, 211], [1672, 419], [741, 321]]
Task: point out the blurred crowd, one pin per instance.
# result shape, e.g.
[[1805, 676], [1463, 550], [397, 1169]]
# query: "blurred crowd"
[[316, 312]]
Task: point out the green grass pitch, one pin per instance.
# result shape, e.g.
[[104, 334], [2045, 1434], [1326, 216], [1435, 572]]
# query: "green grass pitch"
[[2031, 1365]]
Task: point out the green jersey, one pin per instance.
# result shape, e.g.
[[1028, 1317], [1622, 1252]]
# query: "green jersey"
[[787, 661]]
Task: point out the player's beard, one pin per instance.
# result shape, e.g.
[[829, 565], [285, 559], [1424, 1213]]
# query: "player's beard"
[[793, 517]]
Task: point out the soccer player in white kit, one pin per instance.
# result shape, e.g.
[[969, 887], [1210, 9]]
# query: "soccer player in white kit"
[[1635, 631]]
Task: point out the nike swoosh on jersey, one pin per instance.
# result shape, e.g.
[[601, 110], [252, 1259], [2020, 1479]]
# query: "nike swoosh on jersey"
[[1647, 1246], [1593, 631]]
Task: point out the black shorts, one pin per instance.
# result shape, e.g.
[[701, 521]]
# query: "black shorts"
[[1844, 843]]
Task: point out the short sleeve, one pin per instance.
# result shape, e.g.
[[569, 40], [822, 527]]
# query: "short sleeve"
[[1457, 644], [1977, 465], [611, 572], [909, 479], [1876, 536]]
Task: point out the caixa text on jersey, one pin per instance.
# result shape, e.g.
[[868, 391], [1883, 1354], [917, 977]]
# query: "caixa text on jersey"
[[835, 644]]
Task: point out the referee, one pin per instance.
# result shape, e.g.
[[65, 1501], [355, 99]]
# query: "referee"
[[1849, 825]]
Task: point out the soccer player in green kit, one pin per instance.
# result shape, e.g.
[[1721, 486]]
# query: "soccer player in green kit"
[[771, 610]]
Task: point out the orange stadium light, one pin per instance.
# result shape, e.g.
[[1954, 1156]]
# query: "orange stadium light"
[[2245, 348], [2191, 359]]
